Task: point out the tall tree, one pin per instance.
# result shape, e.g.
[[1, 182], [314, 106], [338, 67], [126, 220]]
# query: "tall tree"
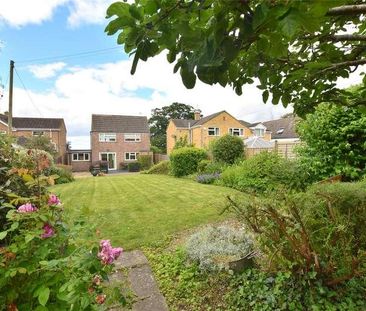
[[334, 142], [296, 49], [160, 119]]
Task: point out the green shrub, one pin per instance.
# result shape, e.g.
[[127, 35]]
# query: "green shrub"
[[64, 173], [215, 168], [182, 142], [319, 230], [262, 173], [184, 161], [207, 178], [201, 167], [134, 167], [156, 149], [145, 161], [162, 168], [227, 149]]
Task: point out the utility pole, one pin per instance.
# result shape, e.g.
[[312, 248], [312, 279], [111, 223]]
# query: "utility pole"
[[10, 115]]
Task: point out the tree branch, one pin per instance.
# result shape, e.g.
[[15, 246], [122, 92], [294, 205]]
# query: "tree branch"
[[355, 37], [343, 64], [347, 10]]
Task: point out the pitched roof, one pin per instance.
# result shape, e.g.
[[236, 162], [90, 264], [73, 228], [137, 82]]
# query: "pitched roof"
[[192, 123], [245, 123], [282, 128], [119, 124], [34, 123]]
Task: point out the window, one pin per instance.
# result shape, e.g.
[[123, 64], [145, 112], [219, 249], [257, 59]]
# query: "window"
[[133, 137], [213, 131], [38, 133], [259, 132], [280, 130], [131, 156], [236, 132], [107, 137], [81, 156]]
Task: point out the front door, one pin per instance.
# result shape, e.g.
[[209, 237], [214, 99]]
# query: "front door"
[[111, 158]]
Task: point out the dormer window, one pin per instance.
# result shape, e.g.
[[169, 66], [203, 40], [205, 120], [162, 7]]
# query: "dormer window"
[[259, 132], [280, 130]]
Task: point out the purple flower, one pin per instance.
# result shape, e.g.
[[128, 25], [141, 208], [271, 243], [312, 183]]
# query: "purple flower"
[[26, 208], [107, 254], [48, 231], [53, 200]]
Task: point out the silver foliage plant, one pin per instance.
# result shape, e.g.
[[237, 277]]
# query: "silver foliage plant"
[[214, 247]]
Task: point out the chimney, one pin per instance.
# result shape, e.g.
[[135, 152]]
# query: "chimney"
[[197, 114]]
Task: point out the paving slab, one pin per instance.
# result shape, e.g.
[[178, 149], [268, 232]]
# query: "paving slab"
[[133, 268], [142, 281], [153, 303], [131, 259]]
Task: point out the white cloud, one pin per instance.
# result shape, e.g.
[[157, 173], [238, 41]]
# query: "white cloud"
[[19, 12], [88, 11], [47, 70]]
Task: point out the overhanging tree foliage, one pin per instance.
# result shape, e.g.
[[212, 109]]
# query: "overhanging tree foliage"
[[160, 119], [296, 49]]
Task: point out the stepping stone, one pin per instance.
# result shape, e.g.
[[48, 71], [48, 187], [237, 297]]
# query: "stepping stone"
[[131, 259], [153, 303], [142, 281]]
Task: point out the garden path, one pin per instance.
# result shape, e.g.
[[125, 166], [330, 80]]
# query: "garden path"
[[133, 268]]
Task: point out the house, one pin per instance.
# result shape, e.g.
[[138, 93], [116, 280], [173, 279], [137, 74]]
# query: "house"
[[201, 131], [24, 127], [283, 133], [115, 139]]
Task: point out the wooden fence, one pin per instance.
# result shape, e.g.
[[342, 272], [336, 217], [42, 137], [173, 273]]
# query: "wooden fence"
[[158, 157], [285, 150]]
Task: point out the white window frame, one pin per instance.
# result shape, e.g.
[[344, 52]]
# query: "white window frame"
[[37, 133], [78, 158], [136, 154], [215, 130], [132, 138], [261, 132], [107, 137], [240, 131]]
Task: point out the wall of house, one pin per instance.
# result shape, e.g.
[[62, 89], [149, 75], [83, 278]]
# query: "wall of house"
[[173, 134], [80, 166], [119, 147], [224, 122]]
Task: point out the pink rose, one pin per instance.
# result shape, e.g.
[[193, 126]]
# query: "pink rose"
[[107, 254], [48, 231], [53, 200], [26, 208]]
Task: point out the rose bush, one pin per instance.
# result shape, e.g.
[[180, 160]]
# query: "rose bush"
[[42, 264]]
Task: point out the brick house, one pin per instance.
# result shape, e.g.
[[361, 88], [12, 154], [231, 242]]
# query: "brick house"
[[200, 131], [54, 128], [118, 139]]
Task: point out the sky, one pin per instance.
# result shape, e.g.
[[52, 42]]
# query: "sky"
[[67, 67]]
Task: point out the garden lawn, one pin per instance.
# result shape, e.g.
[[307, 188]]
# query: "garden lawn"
[[141, 210]]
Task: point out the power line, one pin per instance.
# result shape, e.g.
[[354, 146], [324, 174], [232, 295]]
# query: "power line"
[[26, 90], [61, 57]]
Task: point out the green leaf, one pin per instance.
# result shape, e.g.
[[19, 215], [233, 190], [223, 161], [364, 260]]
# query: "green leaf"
[[118, 8], [150, 7], [3, 234], [135, 12], [43, 295], [134, 63], [265, 95], [188, 78], [289, 25]]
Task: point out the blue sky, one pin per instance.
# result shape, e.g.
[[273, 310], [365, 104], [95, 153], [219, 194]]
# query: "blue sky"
[[75, 87]]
